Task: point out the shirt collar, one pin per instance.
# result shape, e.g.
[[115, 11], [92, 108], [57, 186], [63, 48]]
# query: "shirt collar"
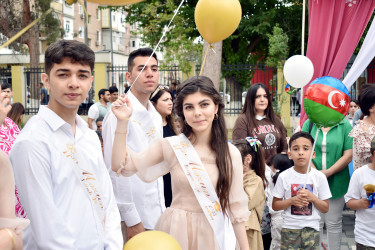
[[138, 105], [258, 117], [56, 122]]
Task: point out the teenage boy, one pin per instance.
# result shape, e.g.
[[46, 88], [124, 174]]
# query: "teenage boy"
[[6, 88], [356, 199], [113, 91], [300, 229], [59, 170], [99, 109], [140, 204]]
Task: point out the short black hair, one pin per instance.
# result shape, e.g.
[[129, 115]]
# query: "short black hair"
[[366, 98], [139, 52], [102, 92], [6, 86], [78, 52], [100, 119], [300, 135], [113, 89]]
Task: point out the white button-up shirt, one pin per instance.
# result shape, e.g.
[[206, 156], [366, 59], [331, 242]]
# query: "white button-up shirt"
[[137, 201], [59, 208]]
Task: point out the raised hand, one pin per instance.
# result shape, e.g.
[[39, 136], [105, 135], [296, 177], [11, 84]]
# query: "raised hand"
[[122, 108]]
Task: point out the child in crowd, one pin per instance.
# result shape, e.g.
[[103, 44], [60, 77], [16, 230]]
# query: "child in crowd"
[[280, 163], [356, 199], [301, 205], [99, 124], [254, 182]]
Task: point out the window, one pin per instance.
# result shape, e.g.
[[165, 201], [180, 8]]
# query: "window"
[[67, 26], [89, 21], [97, 14], [113, 17], [89, 42], [80, 9], [133, 44], [134, 26], [80, 32]]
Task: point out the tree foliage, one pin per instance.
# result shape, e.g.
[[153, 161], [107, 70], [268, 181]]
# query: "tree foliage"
[[278, 47], [249, 43], [17, 14]]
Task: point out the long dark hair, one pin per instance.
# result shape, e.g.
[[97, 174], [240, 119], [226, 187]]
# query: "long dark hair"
[[249, 107], [16, 112], [258, 161], [219, 140], [154, 98]]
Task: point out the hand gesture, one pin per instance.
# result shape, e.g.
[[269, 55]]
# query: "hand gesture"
[[299, 201], [122, 108], [306, 194], [365, 203]]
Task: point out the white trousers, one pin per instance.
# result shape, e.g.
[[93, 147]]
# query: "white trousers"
[[333, 221]]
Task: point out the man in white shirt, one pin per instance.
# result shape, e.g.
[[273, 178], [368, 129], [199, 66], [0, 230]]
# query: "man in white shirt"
[[140, 204], [59, 170], [99, 109]]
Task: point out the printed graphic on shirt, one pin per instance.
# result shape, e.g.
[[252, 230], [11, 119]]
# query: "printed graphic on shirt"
[[301, 210], [270, 138]]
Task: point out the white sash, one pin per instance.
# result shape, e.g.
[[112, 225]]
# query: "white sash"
[[88, 182], [204, 191]]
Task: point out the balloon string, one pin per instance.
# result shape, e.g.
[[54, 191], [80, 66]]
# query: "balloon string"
[[312, 153], [15, 37], [156, 47], [204, 58]]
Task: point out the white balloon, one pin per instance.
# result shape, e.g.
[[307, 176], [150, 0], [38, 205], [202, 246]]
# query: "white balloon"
[[298, 71]]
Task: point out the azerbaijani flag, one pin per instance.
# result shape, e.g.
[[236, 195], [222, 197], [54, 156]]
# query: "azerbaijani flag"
[[327, 101]]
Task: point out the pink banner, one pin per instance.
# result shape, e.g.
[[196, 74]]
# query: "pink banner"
[[335, 27]]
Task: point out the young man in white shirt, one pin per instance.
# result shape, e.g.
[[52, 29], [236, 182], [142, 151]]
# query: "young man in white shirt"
[[99, 109], [60, 174], [357, 198], [300, 229], [140, 204]]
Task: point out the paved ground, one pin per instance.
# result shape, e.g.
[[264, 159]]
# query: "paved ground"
[[348, 242]]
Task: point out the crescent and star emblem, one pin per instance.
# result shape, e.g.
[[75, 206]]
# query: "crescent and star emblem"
[[342, 101]]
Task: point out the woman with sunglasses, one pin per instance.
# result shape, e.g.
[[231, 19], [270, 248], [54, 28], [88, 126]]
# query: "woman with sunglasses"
[[161, 98]]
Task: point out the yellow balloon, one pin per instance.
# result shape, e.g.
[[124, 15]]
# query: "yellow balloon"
[[152, 240], [217, 19]]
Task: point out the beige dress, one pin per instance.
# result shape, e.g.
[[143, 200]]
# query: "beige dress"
[[184, 219], [254, 188]]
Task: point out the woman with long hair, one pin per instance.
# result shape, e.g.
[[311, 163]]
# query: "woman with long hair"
[[206, 170], [16, 114], [161, 98], [258, 120]]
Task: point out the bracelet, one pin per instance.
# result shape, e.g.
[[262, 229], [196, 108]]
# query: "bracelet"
[[11, 236]]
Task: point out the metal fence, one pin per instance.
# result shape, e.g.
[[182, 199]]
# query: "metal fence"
[[116, 76], [234, 83]]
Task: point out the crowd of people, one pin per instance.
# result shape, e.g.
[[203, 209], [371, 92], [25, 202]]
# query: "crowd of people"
[[159, 158]]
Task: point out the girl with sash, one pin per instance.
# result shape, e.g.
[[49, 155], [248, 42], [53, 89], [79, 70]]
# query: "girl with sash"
[[209, 206], [254, 181]]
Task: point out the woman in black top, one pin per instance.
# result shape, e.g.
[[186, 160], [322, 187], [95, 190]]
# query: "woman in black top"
[[161, 98]]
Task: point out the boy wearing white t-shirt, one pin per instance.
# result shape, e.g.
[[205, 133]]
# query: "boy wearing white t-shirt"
[[301, 206], [356, 199]]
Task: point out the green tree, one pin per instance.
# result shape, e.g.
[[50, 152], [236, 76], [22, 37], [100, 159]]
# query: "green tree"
[[17, 14], [248, 44]]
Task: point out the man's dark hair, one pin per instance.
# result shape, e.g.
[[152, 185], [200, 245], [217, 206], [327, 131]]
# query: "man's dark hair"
[[6, 86], [113, 89], [301, 135], [78, 53], [366, 98], [102, 92], [139, 52], [100, 119]]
